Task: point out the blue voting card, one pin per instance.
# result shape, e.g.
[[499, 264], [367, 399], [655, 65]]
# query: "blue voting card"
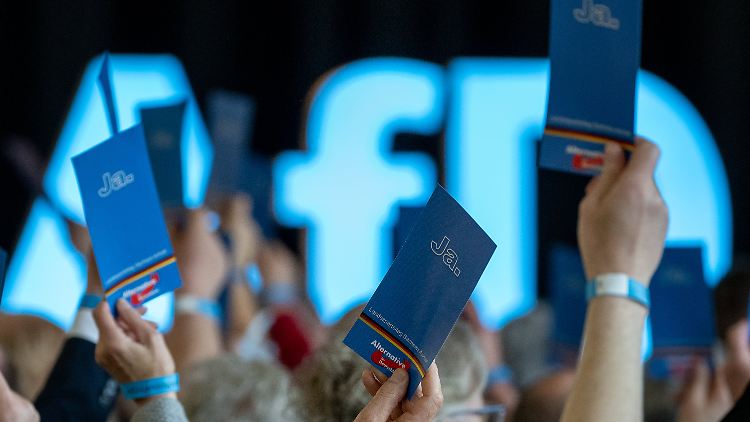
[[3, 260], [414, 308], [407, 218], [231, 117], [594, 58], [567, 286], [121, 206], [162, 126], [236, 169], [682, 314]]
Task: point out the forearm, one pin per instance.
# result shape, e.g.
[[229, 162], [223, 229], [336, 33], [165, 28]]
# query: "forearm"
[[242, 309], [193, 338], [609, 384]]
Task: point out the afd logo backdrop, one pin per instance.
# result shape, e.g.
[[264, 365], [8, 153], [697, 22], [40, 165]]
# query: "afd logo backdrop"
[[345, 185], [46, 276]]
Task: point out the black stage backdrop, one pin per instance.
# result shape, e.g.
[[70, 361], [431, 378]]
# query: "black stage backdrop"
[[275, 50]]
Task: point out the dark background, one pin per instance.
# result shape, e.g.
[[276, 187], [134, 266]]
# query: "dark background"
[[274, 51]]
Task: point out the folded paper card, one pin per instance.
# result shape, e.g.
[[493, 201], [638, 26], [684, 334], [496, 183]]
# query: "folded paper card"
[[594, 58], [408, 318], [682, 314], [231, 121], [162, 125], [236, 168], [121, 206]]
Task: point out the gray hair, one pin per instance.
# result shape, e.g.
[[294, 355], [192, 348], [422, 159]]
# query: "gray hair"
[[331, 384], [463, 370], [229, 388]]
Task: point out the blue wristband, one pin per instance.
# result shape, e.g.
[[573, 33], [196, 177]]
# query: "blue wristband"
[[89, 301], [151, 387], [618, 284], [501, 374]]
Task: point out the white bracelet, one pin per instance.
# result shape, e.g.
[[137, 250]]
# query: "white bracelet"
[[618, 284], [188, 304]]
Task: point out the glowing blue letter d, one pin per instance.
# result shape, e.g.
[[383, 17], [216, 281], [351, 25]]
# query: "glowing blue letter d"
[[346, 187]]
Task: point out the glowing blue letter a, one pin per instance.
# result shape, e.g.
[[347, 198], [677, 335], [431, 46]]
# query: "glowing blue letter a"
[[346, 187]]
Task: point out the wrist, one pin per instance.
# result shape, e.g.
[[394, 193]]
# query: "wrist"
[[618, 285], [592, 271], [197, 305], [188, 292], [149, 389]]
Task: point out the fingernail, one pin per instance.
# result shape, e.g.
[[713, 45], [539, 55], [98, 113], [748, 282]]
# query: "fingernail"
[[399, 376], [121, 302]]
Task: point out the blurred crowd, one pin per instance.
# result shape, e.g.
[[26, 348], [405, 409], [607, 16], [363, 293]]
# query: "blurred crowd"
[[245, 352]]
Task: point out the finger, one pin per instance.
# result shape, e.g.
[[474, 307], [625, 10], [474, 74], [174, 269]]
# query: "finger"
[[133, 320], [719, 390], [737, 342], [418, 392], [431, 382], [697, 389], [643, 160], [614, 162], [387, 399], [108, 329], [591, 185], [196, 219], [370, 382]]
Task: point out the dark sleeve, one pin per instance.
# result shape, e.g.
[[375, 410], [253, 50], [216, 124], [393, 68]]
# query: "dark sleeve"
[[77, 389], [741, 409]]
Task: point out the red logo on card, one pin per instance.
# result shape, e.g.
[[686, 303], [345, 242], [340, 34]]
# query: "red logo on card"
[[583, 162], [383, 361], [137, 299]]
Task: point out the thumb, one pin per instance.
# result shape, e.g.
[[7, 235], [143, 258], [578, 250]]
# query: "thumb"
[[644, 158], [387, 398]]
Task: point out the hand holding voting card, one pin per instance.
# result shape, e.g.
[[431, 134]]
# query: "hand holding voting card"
[[408, 318], [594, 59], [121, 206]]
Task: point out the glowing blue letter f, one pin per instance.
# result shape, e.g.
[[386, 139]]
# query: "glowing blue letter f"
[[346, 187]]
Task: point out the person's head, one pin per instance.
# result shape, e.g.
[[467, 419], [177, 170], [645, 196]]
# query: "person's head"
[[331, 378], [545, 399], [232, 389], [730, 301], [463, 371]]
